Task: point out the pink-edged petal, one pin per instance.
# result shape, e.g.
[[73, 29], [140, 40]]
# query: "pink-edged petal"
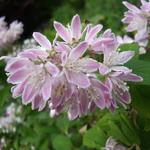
[[123, 94], [83, 102], [76, 27], [34, 53], [98, 45], [121, 69], [62, 47], [131, 77], [62, 32], [124, 57], [73, 111], [99, 85], [103, 69], [42, 40], [88, 64], [64, 57], [78, 51], [38, 103], [18, 76], [99, 93], [28, 54], [108, 34], [93, 32], [16, 64], [28, 94], [18, 89], [78, 78], [100, 102], [52, 69], [46, 89], [61, 91], [131, 7]]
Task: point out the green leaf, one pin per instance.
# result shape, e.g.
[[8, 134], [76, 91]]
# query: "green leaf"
[[63, 123], [119, 127], [94, 138], [61, 142], [130, 47], [141, 99], [141, 68]]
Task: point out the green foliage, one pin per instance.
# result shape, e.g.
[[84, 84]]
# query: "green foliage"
[[116, 125], [61, 142]]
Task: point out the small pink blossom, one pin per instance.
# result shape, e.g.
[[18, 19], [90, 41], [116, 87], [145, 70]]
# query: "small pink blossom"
[[116, 77]]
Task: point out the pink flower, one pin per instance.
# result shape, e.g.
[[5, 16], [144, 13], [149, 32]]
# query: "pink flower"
[[76, 101], [32, 75], [106, 41], [77, 68], [64, 75], [116, 76], [9, 34], [72, 33], [137, 20]]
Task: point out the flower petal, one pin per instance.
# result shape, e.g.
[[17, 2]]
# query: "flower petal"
[[16, 64], [73, 111], [78, 51], [76, 27], [42, 40], [130, 77], [28, 94], [93, 32], [18, 89], [46, 89], [52, 69], [77, 78], [83, 102], [62, 32], [88, 64], [121, 69], [103, 69], [34, 53], [61, 91], [124, 57], [131, 7], [18, 76]]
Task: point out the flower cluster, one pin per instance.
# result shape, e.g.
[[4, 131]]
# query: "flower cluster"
[[10, 118], [66, 75], [9, 34], [138, 19]]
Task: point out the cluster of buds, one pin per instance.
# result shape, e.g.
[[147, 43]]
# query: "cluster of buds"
[[138, 20], [10, 34], [67, 76], [11, 117]]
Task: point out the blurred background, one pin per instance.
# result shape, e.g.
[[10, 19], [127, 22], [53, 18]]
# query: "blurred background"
[[24, 129], [39, 14]]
